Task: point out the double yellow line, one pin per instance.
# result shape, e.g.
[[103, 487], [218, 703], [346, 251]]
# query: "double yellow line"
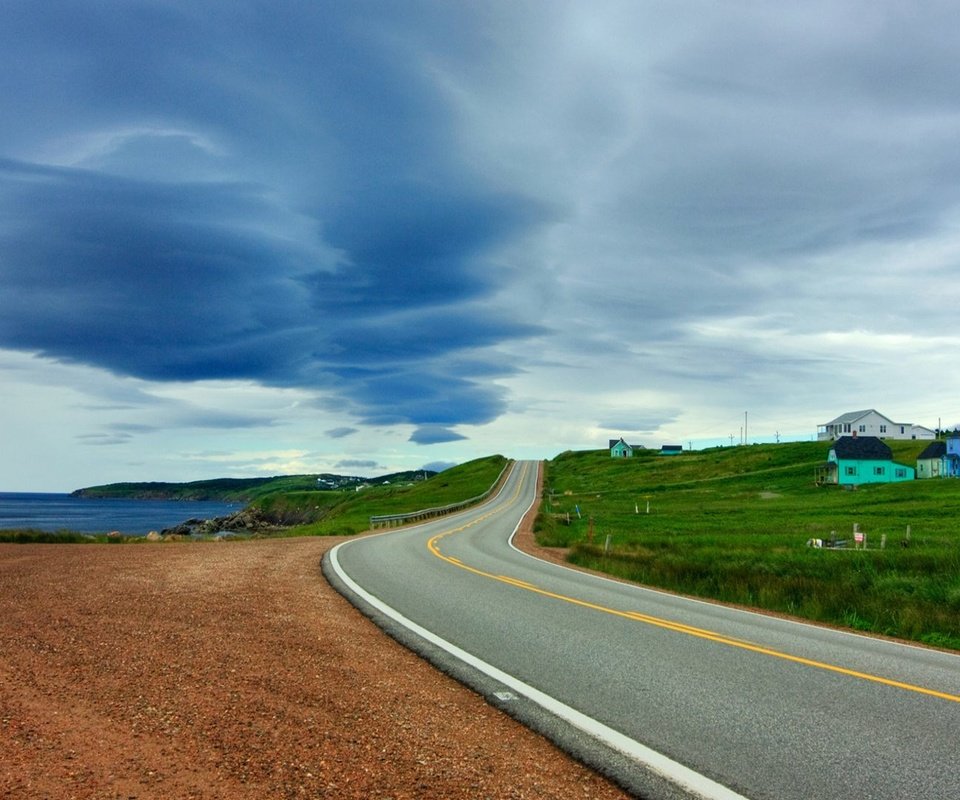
[[678, 627]]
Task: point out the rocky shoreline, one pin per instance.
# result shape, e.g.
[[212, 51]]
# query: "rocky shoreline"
[[245, 522]]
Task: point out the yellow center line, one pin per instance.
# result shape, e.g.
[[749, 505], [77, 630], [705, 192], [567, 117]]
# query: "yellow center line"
[[516, 582], [666, 624]]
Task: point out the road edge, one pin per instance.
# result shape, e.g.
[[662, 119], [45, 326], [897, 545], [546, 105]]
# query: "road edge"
[[645, 775]]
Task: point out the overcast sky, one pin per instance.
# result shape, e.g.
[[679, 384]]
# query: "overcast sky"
[[255, 238]]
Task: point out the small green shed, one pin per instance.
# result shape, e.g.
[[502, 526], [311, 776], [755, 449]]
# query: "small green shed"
[[620, 449]]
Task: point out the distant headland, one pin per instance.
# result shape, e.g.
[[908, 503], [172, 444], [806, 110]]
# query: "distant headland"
[[241, 490]]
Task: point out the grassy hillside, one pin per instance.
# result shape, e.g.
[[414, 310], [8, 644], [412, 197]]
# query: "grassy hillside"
[[347, 511], [224, 489], [733, 524], [236, 490]]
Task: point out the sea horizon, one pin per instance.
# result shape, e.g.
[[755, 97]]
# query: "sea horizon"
[[61, 511]]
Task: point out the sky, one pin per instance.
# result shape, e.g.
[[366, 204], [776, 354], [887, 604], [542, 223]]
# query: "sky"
[[257, 238]]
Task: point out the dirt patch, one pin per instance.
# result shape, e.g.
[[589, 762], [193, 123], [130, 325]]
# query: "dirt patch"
[[232, 670]]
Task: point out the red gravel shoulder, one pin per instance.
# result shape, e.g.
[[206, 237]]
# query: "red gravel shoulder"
[[233, 670]]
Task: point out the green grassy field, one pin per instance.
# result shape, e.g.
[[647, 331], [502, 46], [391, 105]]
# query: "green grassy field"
[[346, 512], [733, 524]]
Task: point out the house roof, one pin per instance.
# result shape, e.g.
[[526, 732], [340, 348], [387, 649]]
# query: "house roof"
[[853, 416], [860, 448], [615, 442], [933, 450]]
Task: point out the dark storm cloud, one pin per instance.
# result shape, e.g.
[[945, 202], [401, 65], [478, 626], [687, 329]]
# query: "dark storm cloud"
[[434, 434], [103, 439], [439, 466], [414, 245], [630, 423], [377, 202], [132, 427], [340, 433], [428, 334], [357, 463], [151, 280], [427, 397], [822, 131], [188, 194], [226, 420]]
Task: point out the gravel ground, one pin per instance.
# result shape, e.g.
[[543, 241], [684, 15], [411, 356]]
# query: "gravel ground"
[[232, 670]]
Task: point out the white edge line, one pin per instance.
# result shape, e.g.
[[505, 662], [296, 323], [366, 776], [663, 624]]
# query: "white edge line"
[[657, 762]]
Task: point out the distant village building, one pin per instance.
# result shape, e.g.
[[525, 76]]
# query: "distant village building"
[[620, 449], [932, 462], [953, 456], [871, 422], [854, 460], [940, 459]]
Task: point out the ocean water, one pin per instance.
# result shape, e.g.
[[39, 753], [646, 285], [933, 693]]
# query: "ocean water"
[[55, 512]]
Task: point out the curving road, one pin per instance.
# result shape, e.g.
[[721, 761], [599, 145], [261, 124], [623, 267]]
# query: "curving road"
[[672, 697]]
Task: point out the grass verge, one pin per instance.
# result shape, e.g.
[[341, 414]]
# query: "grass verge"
[[732, 524], [344, 513]]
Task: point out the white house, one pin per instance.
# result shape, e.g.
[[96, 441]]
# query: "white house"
[[871, 423]]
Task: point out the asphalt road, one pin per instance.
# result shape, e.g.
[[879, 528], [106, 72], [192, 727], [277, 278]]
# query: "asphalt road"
[[670, 696]]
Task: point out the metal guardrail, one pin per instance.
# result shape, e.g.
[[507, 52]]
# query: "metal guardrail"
[[391, 520]]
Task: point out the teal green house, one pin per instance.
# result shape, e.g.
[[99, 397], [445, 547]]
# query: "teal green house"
[[620, 449], [854, 460]]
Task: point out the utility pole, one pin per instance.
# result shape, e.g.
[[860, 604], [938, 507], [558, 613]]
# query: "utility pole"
[[745, 435]]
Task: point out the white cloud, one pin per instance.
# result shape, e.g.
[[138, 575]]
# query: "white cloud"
[[522, 225]]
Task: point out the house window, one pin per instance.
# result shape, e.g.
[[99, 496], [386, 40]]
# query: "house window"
[[901, 472], [901, 429], [849, 470], [863, 429], [883, 429], [879, 470], [846, 427]]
